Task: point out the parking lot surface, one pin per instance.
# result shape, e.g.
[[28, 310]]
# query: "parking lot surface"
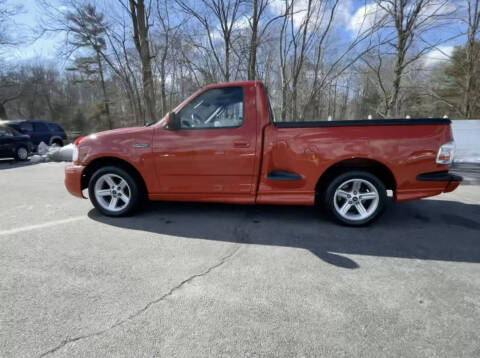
[[211, 280]]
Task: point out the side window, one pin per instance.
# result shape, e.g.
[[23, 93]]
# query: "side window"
[[5, 132], [13, 132], [215, 108], [54, 127], [26, 127], [40, 127]]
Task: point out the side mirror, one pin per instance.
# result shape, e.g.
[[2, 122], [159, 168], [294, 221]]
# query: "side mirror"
[[173, 122]]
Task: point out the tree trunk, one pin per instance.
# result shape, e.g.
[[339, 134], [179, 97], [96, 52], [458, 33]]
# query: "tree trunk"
[[148, 89], [472, 57], [140, 36], [104, 90], [283, 112], [49, 105], [467, 110], [3, 111], [294, 101], [283, 115], [163, 91], [392, 109], [227, 59], [252, 57], [467, 98]]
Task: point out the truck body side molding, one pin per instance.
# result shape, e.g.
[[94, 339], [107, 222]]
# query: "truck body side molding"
[[284, 175]]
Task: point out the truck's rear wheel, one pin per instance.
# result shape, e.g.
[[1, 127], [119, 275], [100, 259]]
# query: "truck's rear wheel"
[[356, 198], [113, 191]]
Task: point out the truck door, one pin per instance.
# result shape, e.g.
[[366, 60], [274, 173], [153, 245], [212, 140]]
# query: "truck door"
[[213, 151]]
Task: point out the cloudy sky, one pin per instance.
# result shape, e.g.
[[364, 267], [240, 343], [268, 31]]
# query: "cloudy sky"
[[352, 16]]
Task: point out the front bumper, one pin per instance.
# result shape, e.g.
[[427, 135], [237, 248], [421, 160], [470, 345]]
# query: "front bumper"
[[452, 180], [73, 179]]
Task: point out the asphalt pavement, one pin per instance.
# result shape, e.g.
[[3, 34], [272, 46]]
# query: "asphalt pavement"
[[212, 280]]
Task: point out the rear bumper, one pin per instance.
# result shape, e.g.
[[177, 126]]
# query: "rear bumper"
[[439, 176], [452, 181], [428, 184], [73, 180]]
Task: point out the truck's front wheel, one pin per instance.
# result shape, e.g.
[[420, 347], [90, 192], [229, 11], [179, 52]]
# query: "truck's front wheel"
[[356, 198], [113, 191]]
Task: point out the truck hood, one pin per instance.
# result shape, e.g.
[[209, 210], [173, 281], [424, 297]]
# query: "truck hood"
[[121, 132], [122, 142]]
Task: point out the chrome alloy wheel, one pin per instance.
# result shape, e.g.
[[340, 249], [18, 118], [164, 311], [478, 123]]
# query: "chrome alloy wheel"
[[356, 199], [22, 153], [112, 192]]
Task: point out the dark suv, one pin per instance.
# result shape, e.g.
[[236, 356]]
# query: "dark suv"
[[40, 131], [14, 144]]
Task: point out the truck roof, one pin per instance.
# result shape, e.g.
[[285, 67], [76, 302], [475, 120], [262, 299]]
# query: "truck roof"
[[18, 121], [230, 84]]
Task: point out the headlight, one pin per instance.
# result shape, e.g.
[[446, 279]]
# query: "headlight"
[[75, 153], [446, 153], [75, 148]]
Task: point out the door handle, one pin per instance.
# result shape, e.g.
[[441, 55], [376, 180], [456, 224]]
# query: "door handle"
[[241, 144]]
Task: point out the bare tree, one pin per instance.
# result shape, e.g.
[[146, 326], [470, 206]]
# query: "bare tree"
[[410, 20], [306, 52], [295, 41], [120, 63], [87, 27], [10, 90], [167, 33], [226, 13], [472, 52], [8, 36], [304, 46], [259, 24], [140, 16]]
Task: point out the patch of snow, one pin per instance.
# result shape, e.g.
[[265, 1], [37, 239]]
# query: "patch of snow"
[[61, 154], [52, 154], [466, 134], [42, 148]]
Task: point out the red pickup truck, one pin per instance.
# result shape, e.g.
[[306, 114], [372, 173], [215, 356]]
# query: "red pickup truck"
[[223, 144]]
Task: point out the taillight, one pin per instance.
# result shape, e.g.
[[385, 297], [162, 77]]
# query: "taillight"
[[446, 153]]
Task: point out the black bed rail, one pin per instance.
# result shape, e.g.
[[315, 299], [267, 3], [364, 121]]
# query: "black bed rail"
[[364, 122]]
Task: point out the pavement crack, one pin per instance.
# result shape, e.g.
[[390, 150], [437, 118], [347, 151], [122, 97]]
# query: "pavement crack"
[[222, 261]]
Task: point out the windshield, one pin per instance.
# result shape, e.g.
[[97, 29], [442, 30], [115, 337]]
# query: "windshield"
[[8, 131]]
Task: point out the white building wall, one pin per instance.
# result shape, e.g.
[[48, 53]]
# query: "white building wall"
[[467, 140]]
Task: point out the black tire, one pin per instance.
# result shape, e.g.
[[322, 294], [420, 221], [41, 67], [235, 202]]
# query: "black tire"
[[57, 142], [21, 153], [134, 190], [353, 217]]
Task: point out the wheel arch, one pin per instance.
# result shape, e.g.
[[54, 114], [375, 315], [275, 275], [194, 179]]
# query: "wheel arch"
[[20, 145], [101, 162], [54, 139], [373, 166]]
